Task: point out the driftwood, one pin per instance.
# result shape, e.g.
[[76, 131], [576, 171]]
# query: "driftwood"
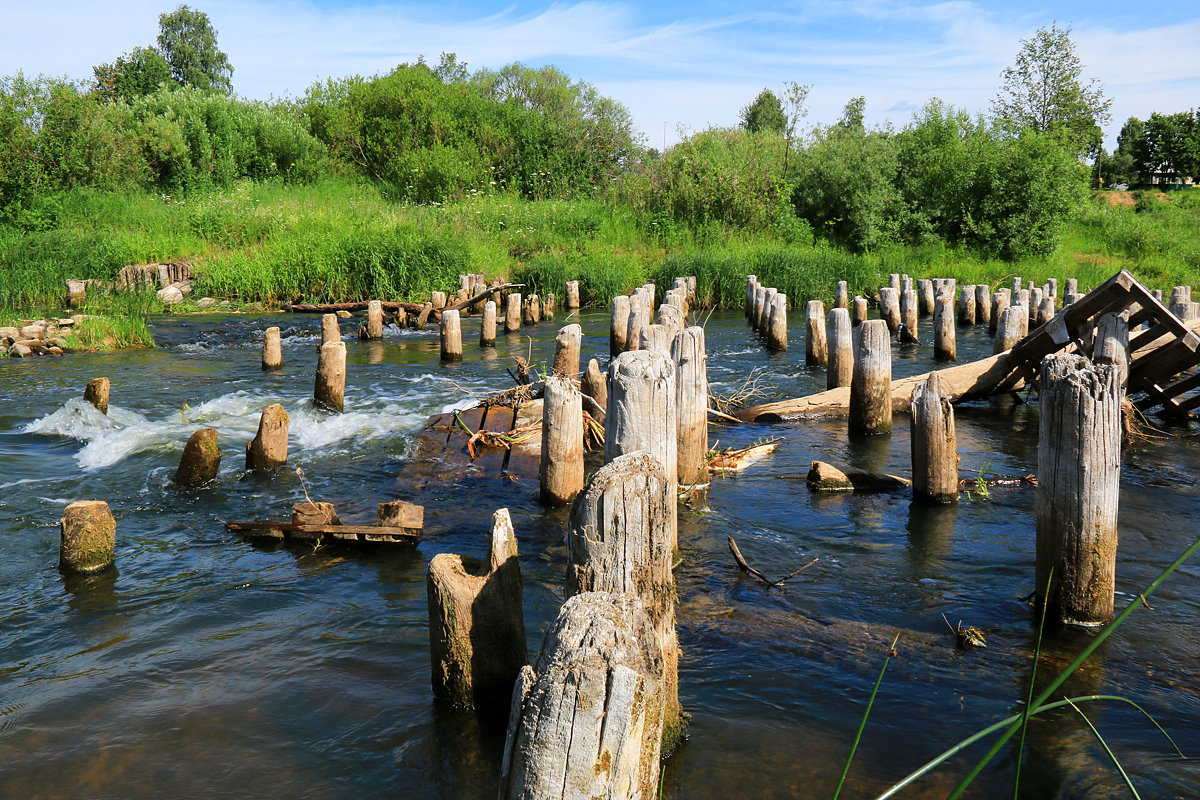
[[481, 296], [319, 522], [824, 477], [730, 460], [758, 576]]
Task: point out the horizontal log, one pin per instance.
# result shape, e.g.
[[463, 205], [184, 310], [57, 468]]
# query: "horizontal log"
[[351, 533], [824, 477], [332, 308]]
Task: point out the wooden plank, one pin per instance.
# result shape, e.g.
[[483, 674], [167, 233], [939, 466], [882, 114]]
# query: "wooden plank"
[[288, 530], [524, 458], [498, 419]]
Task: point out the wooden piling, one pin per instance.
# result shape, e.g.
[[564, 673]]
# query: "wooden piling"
[[477, 623], [374, 327], [437, 300], [691, 404], [945, 346], [531, 314], [512, 313], [894, 282], [272, 349], [1079, 472], [638, 319], [927, 297], [671, 315], [983, 304], [269, 447], [330, 388], [860, 311], [1045, 311], [1016, 285], [1035, 306], [572, 300], [871, 386], [840, 371], [760, 297], [966, 306], [908, 318], [657, 338], [764, 315], [487, 325], [1000, 302], [841, 296], [889, 308], [96, 392], [751, 291], [933, 446], [566, 351], [1112, 344], [777, 332], [451, 336], [201, 459], [330, 329], [618, 315], [87, 537], [1009, 331], [561, 469], [594, 384], [1072, 286]]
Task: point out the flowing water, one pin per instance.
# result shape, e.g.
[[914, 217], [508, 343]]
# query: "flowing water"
[[207, 665]]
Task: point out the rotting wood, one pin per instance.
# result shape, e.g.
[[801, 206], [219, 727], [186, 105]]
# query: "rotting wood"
[[825, 477], [729, 460], [934, 452], [870, 388]]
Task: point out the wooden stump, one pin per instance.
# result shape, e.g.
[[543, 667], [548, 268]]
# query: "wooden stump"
[[816, 341], [1079, 472], [776, 326], [841, 350], [889, 308], [1035, 306], [512, 313], [422, 317], [437, 300], [1072, 286], [966, 306], [330, 329], [925, 290], [860, 311], [477, 623], [88, 537], [374, 327], [561, 470], [532, 311], [983, 304], [594, 384], [945, 346], [691, 404], [618, 311], [572, 295], [566, 351], [269, 447], [871, 386], [999, 303], [672, 315], [451, 336], [934, 450], [1009, 331], [272, 349], [330, 388], [96, 392], [399, 514], [657, 338], [638, 319], [764, 314], [487, 327], [588, 721], [1045, 311], [908, 318], [751, 288], [200, 460], [1112, 344], [841, 296], [548, 306], [894, 282]]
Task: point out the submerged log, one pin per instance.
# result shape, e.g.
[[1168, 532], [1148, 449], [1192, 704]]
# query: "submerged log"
[[825, 477]]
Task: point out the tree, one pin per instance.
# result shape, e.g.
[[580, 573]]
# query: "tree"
[[796, 99], [1173, 143], [135, 74], [764, 114], [188, 42], [852, 116], [1043, 91]]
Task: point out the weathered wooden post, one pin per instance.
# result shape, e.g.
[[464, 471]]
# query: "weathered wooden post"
[[96, 392], [841, 296], [566, 350], [764, 318], [671, 315], [548, 306], [88, 535], [272, 350], [760, 297], [871, 386], [816, 346], [1079, 473], [1180, 304], [889, 308], [751, 291], [966, 306], [777, 333], [638, 319], [925, 290], [618, 312], [451, 336], [1112, 344], [487, 327], [841, 350], [908, 318], [200, 460], [269, 447], [594, 384], [572, 295], [1051, 287], [330, 388], [860, 311], [330, 329], [691, 404], [1045, 311], [418, 322], [512, 313], [657, 338], [894, 282], [999, 303], [1072, 286], [934, 450], [561, 469], [532, 312], [437, 300], [374, 327], [477, 623], [945, 346], [983, 304], [588, 720], [1035, 306], [1009, 331]]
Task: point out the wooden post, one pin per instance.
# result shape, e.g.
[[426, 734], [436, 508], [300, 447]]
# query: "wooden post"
[[330, 329], [934, 451], [860, 311], [871, 386], [451, 330], [548, 306], [1008, 332], [330, 388], [422, 317], [1072, 286], [272, 350], [816, 344], [657, 338], [88, 537], [999, 303], [894, 282], [1045, 311], [760, 297], [639, 318], [1016, 285], [1071, 298], [532, 312], [477, 623], [1051, 287], [1035, 306], [487, 327], [1112, 344], [983, 304], [945, 346], [201, 459], [889, 308], [588, 720], [908, 318], [841, 350], [966, 306], [1180, 302], [642, 413], [512, 313], [777, 334], [437, 300], [764, 314], [691, 404], [925, 290], [594, 384], [751, 291], [561, 469], [374, 326], [572, 295], [1079, 473], [906, 283], [670, 315], [269, 447], [841, 296], [566, 351], [618, 312], [96, 392]]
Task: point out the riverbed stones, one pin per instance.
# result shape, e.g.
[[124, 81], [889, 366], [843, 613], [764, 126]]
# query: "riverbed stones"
[[96, 392], [201, 459], [88, 537], [269, 447], [170, 295]]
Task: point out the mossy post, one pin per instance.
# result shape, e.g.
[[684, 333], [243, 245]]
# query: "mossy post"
[[200, 460], [88, 537], [330, 388], [477, 622], [272, 350], [1079, 474], [933, 445], [560, 472], [841, 350], [871, 386], [269, 447], [96, 392]]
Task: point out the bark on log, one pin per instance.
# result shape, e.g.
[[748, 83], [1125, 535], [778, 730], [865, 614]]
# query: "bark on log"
[[870, 388], [588, 721], [88, 536], [96, 392], [1079, 472], [477, 623], [691, 404], [933, 444], [269, 447], [561, 465], [841, 350], [200, 460]]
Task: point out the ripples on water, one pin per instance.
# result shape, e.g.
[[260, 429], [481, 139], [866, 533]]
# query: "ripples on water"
[[207, 665]]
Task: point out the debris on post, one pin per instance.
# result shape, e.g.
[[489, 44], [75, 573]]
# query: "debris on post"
[[871, 387], [88, 537], [96, 392], [269, 447], [933, 444], [330, 388], [201, 459]]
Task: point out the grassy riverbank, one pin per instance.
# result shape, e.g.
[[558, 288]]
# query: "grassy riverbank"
[[341, 239]]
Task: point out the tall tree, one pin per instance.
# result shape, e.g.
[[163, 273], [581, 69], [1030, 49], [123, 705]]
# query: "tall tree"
[[139, 72], [764, 114], [1173, 143], [1044, 90], [188, 41], [852, 116], [796, 101]]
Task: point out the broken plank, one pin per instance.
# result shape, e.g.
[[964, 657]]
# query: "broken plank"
[[288, 530], [524, 457], [499, 419]]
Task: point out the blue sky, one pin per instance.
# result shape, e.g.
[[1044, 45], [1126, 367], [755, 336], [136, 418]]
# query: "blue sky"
[[677, 66]]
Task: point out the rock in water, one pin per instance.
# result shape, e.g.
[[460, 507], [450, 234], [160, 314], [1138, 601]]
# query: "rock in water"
[[201, 459]]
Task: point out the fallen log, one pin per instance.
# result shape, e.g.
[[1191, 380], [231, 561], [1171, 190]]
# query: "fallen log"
[[346, 533], [333, 308], [824, 477], [485, 294]]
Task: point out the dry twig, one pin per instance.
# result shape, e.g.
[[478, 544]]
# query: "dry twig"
[[758, 576]]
